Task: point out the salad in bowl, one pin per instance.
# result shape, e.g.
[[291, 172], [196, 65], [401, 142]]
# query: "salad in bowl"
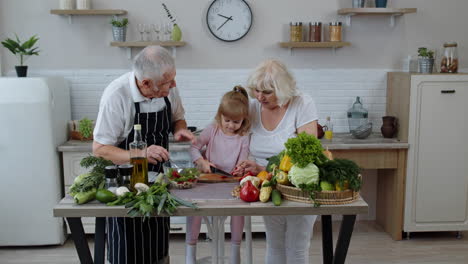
[[181, 175]]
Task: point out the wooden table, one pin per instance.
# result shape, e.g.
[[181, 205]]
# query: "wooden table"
[[388, 156], [215, 204]]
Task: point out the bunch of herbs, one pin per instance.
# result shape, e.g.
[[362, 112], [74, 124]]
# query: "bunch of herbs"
[[341, 171]]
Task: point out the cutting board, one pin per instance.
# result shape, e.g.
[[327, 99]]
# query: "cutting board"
[[215, 178]]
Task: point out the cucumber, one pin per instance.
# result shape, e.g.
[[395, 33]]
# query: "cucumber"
[[276, 197]]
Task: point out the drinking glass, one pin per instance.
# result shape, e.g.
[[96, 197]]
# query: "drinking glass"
[[141, 29], [167, 31], [148, 32], [157, 30]]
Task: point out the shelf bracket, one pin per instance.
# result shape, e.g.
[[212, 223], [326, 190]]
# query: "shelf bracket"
[[334, 50], [348, 19], [70, 20], [174, 52], [392, 19], [129, 53]]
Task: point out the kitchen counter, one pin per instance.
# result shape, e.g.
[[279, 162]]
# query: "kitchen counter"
[[340, 141]]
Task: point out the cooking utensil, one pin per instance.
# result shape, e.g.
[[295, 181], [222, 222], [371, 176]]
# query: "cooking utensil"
[[218, 171]]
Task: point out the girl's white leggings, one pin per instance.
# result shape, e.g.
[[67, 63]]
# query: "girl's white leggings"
[[194, 224], [288, 238]]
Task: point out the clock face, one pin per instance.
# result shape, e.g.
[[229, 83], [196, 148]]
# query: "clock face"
[[229, 20]]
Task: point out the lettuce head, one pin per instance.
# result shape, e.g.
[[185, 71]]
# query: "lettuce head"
[[307, 175]]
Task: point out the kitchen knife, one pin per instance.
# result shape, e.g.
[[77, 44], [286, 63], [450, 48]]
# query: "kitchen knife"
[[221, 172]]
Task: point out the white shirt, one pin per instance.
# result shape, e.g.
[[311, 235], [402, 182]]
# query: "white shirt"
[[263, 143], [117, 109]]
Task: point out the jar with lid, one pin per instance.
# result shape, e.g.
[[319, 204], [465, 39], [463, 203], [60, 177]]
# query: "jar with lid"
[[357, 115], [295, 32], [125, 172], [449, 62], [315, 32], [335, 31], [111, 173]]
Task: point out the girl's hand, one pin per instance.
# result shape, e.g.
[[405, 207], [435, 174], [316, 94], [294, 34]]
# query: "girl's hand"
[[245, 166], [203, 165]]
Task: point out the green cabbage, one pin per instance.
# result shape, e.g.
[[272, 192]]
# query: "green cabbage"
[[307, 175]]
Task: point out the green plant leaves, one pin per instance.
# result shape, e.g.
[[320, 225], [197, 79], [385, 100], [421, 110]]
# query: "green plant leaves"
[[22, 49]]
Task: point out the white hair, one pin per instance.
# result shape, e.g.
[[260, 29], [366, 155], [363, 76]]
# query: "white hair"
[[152, 62]]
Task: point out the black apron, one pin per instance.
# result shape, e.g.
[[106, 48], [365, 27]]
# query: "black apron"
[[132, 240]]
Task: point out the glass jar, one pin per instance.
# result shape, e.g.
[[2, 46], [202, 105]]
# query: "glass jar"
[[295, 31], [125, 172], [111, 178], [449, 62], [315, 32], [335, 31], [357, 115]]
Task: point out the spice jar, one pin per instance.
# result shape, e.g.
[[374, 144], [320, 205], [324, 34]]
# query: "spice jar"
[[449, 62], [315, 31], [295, 31], [334, 30], [83, 4], [66, 4]]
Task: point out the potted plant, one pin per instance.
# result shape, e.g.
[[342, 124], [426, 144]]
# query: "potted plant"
[[119, 28], [82, 130], [23, 50], [425, 60]]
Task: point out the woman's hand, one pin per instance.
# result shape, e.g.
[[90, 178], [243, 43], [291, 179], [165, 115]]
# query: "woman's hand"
[[157, 154], [246, 165], [203, 165]]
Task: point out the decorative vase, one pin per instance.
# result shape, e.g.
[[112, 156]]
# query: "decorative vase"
[[381, 3], [425, 65], [359, 3], [119, 33], [21, 71], [176, 33], [389, 126]]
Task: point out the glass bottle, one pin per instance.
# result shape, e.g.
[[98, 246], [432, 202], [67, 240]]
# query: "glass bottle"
[[125, 172], [357, 115], [138, 158], [111, 178], [449, 62], [328, 128]]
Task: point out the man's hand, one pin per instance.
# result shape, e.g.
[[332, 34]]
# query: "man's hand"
[[184, 135], [157, 154]]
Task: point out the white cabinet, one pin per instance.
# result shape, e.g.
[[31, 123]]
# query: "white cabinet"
[[74, 151], [436, 127]]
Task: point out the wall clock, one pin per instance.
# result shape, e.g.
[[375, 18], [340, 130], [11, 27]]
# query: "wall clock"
[[229, 20]]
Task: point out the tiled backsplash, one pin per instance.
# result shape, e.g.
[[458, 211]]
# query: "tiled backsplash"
[[334, 91]]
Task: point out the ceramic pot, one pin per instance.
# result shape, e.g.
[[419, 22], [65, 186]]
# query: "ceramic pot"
[[21, 71], [389, 126], [320, 132]]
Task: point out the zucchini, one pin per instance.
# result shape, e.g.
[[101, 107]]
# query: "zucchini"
[[276, 197]]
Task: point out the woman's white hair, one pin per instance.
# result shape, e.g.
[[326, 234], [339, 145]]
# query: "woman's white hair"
[[152, 62], [272, 75]]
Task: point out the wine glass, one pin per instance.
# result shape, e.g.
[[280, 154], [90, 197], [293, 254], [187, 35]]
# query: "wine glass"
[[148, 32], [157, 30], [141, 29], [168, 31]]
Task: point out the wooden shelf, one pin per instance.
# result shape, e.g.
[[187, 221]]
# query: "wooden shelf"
[[376, 11], [88, 12], [334, 44], [141, 44], [392, 12]]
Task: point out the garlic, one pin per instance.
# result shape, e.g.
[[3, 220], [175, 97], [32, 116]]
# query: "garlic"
[[255, 181], [121, 191], [141, 187]]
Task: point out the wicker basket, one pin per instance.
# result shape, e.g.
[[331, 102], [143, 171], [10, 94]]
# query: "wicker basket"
[[323, 197]]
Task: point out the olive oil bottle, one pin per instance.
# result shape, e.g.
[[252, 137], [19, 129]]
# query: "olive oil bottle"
[[138, 158]]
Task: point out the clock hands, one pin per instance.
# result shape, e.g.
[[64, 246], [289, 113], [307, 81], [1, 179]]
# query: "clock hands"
[[227, 19]]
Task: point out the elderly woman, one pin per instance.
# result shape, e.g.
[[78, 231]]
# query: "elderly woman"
[[279, 112]]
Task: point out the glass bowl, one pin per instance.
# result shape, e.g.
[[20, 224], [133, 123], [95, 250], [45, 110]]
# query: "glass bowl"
[[179, 166], [363, 131]]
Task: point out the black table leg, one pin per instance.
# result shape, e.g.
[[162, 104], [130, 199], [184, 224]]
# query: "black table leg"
[[99, 240], [81, 244], [327, 239], [344, 237]]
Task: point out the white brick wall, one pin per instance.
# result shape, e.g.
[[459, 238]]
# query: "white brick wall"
[[334, 91]]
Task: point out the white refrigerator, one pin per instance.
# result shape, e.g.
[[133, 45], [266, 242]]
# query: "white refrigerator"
[[33, 115]]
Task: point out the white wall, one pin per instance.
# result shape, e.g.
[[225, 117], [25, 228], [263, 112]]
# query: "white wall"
[[85, 43]]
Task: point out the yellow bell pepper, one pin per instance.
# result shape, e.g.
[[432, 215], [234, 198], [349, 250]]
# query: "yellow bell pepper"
[[345, 186], [285, 164]]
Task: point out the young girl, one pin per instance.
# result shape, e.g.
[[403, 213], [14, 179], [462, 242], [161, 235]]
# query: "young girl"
[[227, 143]]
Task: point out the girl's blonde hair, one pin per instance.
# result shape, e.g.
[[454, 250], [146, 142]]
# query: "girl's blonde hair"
[[272, 75], [235, 105]]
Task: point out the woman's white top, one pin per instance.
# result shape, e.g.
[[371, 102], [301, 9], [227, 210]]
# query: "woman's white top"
[[264, 143]]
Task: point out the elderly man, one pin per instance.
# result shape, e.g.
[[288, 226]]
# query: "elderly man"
[[147, 96]]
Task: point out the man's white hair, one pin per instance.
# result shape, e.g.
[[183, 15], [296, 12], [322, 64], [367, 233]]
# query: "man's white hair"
[[152, 62]]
